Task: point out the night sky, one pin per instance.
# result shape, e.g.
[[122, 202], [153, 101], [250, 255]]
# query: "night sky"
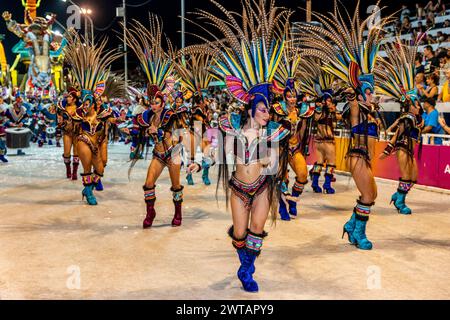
[[104, 12]]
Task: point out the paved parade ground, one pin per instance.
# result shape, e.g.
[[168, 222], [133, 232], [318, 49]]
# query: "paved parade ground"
[[54, 246]]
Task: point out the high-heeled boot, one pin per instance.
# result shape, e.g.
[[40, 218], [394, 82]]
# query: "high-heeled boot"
[[205, 177], [88, 189], [75, 164], [283, 211], [253, 245], [189, 179], [68, 168], [239, 245], [150, 198], [297, 190], [315, 175], [98, 181], [362, 212], [329, 170], [177, 195], [349, 227], [399, 197]]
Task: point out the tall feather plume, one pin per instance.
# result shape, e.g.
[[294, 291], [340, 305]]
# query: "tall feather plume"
[[115, 86], [338, 45], [252, 44], [194, 71], [147, 44], [395, 75], [290, 61], [89, 62], [313, 80]]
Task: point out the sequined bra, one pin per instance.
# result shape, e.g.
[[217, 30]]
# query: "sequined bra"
[[249, 153]]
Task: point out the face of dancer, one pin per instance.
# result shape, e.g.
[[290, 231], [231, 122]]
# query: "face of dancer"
[[87, 105], [178, 102], [156, 104], [291, 99], [261, 114], [369, 96], [70, 100], [331, 106]]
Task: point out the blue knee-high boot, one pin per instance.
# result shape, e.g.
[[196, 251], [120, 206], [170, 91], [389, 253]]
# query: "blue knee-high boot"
[[349, 227], [297, 190], [362, 212], [399, 197], [329, 170], [315, 175], [283, 211], [88, 189], [189, 179], [205, 177], [97, 179], [3, 151], [248, 256]]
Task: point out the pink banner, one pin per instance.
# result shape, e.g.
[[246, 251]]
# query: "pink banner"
[[434, 164]]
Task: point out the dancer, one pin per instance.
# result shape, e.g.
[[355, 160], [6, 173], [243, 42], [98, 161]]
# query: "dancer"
[[92, 118], [317, 84], [395, 78], [67, 109], [3, 149], [349, 57], [160, 122], [251, 138], [196, 78], [296, 114]]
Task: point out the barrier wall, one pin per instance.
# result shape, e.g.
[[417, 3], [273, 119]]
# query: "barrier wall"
[[434, 165]]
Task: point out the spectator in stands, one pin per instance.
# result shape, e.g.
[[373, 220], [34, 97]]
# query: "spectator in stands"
[[444, 96], [444, 125], [405, 13], [420, 13], [406, 26], [398, 27], [431, 62], [420, 82], [446, 24], [441, 37], [430, 22], [420, 28], [418, 64], [432, 8], [441, 9], [432, 89], [431, 117]]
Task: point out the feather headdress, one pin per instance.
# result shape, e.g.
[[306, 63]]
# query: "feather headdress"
[[313, 80], [340, 44], [194, 73], [248, 48], [156, 61], [395, 76], [89, 64], [285, 76]]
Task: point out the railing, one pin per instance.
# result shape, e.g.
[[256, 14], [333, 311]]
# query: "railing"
[[427, 139]]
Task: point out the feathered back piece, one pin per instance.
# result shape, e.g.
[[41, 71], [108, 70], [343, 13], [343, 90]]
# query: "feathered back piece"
[[147, 44], [90, 63], [248, 47], [396, 74], [340, 44], [313, 80], [194, 73], [115, 87]]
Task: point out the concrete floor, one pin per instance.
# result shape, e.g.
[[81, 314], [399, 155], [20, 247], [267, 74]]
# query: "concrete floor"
[[53, 246]]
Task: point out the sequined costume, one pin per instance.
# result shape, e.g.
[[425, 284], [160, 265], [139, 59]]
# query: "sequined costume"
[[351, 58], [160, 121], [396, 79], [247, 65]]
